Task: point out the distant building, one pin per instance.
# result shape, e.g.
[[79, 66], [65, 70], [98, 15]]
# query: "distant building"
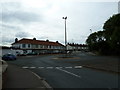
[[77, 47], [37, 46]]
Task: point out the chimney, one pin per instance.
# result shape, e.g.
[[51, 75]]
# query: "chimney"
[[16, 40], [47, 40], [34, 38], [57, 42]]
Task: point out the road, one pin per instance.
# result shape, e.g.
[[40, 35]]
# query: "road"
[[59, 73]]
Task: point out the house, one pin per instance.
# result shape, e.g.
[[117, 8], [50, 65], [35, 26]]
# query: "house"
[[37, 46], [77, 47]]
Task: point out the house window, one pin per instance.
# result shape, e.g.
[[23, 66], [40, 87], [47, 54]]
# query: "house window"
[[50, 46], [28, 45], [41, 46], [36, 46], [23, 45]]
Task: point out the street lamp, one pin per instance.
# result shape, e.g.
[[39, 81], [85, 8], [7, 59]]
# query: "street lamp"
[[65, 33], [90, 31]]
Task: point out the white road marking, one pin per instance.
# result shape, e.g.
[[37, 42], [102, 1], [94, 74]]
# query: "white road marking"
[[78, 67], [49, 67], [58, 67], [69, 73], [40, 67], [68, 67], [25, 67], [32, 67]]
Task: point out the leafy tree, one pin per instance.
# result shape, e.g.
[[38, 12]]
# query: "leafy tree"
[[108, 40]]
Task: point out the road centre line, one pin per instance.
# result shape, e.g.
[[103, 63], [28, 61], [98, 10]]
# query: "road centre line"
[[69, 73]]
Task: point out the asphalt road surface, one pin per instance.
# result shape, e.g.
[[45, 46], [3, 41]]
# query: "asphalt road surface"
[[59, 73]]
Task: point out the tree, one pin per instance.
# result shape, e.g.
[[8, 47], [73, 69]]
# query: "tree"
[[108, 40], [112, 33]]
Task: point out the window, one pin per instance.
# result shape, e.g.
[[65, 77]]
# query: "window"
[[23, 45], [41, 46], [28, 45], [36, 46]]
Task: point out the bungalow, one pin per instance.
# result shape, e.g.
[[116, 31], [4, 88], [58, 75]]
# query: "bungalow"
[[37, 46]]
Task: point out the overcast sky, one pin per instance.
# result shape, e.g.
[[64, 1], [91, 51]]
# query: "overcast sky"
[[42, 19]]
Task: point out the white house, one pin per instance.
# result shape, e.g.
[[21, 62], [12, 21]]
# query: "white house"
[[37, 46]]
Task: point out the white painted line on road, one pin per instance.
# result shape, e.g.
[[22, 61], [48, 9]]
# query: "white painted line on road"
[[68, 67], [40, 67], [69, 73], [32, 67], [58, 67], [25, 67], [78, 67], [49, 67]]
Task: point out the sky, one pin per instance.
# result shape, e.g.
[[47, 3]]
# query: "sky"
[[42, 19]]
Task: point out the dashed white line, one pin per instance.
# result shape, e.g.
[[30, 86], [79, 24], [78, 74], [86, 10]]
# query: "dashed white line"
[[58, 67], [78, 67], [32, 67], [40, 67], [68, 67], [69, 73], [49, 67]]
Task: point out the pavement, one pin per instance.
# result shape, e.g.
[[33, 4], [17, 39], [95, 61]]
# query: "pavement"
[[3, 68], [16, 77]]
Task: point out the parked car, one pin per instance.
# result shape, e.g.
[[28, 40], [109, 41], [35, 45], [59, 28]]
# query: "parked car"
[[9, 57]]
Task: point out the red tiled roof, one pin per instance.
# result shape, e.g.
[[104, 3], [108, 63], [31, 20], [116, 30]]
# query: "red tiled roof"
[[40, 42]]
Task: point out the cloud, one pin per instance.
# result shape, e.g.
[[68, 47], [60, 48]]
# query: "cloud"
[[23, 34], [15, 12], [20, 16], [7, 40], [9, 27]]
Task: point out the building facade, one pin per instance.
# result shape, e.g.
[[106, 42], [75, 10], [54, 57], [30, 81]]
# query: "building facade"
[[37, 46], [77, 47]]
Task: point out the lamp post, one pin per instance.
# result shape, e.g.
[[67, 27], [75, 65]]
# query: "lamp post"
[[65, 33], [90, 31]]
